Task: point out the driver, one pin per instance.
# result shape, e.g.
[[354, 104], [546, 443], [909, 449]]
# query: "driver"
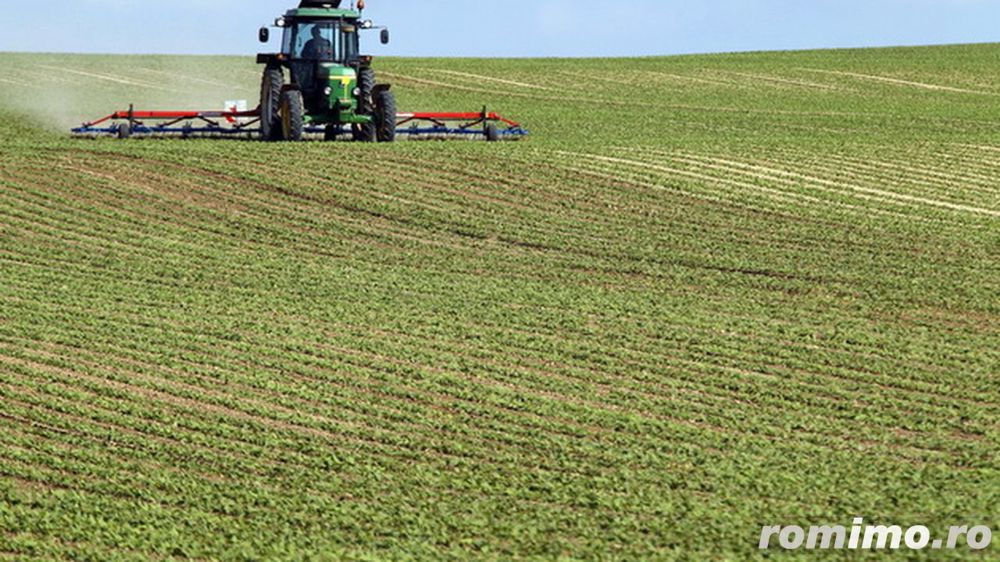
[[318, 47]]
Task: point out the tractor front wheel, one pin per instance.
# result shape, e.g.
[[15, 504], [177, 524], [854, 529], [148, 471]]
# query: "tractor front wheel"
[[364, 132], [292, 115], [385, 116], [366, 87], [270, 103]]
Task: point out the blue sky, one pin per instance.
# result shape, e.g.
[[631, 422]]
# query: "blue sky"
[[511, 28]]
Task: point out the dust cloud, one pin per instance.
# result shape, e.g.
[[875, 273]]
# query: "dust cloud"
[[58, 92]]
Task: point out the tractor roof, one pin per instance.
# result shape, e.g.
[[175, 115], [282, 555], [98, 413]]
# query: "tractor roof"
[[318, 13], [322, 9]]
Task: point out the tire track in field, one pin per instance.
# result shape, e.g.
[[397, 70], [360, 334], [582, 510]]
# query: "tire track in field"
[[190, 78], [926, 170], [686, 78], [619, 176], [981, 147], [764, 172], [898, 82], [561, 99], [983, 159], [919, 177], [616, 174], [489, 79], [776, 194], [109, 78], [38, 77], [16, 83], [618, 80], [949, 187], [870, 193], [816, 205], [790, 82]]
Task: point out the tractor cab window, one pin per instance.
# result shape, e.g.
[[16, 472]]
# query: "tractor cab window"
[[316, 41], [351, 43]]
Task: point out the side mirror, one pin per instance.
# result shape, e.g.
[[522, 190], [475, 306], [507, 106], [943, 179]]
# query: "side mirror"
[[385, 37], [264, 35]]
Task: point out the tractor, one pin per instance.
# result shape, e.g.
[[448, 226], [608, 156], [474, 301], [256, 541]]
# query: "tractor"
[[318, 85], [329, 84]]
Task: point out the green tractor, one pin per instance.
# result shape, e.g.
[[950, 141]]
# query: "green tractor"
[[329, 87], [319, 84]]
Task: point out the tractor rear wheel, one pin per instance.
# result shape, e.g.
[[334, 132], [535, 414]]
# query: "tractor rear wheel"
[[385, 116], [270, 103], [292, 115]]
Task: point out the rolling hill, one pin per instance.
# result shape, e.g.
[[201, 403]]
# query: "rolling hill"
[[708, 294]]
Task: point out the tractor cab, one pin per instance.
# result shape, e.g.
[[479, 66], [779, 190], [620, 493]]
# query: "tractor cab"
[[318, 49], [324, 40]]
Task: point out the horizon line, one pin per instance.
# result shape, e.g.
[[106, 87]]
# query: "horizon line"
[[541, 57]]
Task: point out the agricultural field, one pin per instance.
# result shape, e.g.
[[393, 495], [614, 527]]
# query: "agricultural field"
[[709, 293]]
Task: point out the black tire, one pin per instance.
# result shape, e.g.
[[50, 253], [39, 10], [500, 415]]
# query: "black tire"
[[124, 130], [364, 132], [366, 85], [270, 103], [385, 118], [292, 115], [492, 133]]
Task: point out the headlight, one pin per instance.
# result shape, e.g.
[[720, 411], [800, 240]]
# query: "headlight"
[[327, 91], [357, 92]]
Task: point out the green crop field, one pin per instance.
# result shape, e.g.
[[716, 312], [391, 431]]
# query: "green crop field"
[[708, 294]]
